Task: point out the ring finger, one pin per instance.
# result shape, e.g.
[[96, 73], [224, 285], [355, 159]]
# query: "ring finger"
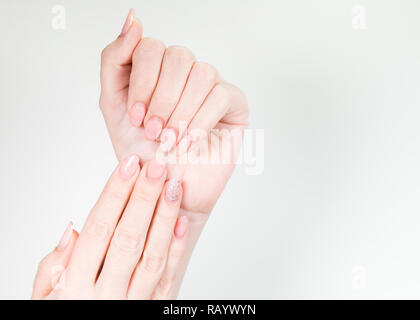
[[149, 269]]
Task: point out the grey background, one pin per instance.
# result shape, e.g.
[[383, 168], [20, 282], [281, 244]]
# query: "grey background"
[[335, 214]]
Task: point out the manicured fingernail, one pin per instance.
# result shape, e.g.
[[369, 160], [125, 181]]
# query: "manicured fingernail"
[[153, 128], [184, 144], [65, 238], [181, 227], [167, 139], [173, 189], [129, 167], [137, 113], [155, 169], [128, 22]]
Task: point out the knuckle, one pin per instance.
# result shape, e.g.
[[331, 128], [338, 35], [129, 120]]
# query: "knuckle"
[[240, 94], [153, 263], [206, 71], [144, 196], [148, 46], [167, 218], [111, 193], [179, 53], [106, 53], [164, 98], [242, 100], [127, 239], [221, 94], [164, 287], [98, 229], [176, 255]]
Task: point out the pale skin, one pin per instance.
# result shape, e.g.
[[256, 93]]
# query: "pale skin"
[[129, 246], [171, 86], [153, 96]]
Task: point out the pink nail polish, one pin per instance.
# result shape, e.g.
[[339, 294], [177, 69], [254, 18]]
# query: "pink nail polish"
[[181, 227], [168, 139], [129, 167], [153, 128], [128, 22], [65, 238], [137, 113], [184, 144], [155, 170], [173, 189]]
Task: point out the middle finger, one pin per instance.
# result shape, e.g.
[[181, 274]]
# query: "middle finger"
[[129, 237]]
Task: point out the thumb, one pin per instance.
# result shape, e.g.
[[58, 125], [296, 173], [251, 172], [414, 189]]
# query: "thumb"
[[116, 61], [53, 265]]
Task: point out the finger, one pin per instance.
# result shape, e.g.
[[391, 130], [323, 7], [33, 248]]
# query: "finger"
[[176, 66], [128, 241], [224, 107], [203, 77], [96, 234], [171, 279], [148, 271], [147, 60], [53, 265], [116, 65], [237, 113], [213, 109]]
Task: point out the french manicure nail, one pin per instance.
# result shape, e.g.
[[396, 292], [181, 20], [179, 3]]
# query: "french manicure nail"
[[167, 139], [128, 22], [65, 238], [129, 167], [153, 128], [137, 113], [173, 189], [181, 227], [155, 169]]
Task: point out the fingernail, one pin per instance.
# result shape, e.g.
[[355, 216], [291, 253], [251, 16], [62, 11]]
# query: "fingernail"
[[129, 167], [181, 227], [167, 139], [65, 238], [184, 144], [155, 169], [128, 22], [173, 189], [153, 128], [137, 113]]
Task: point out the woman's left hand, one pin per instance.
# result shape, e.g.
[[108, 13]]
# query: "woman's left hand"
[[130, 245]]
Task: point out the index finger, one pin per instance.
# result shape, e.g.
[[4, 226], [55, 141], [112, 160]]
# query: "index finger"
[[94, 238]]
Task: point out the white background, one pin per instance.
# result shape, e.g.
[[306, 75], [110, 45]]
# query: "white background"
[[336, 212]]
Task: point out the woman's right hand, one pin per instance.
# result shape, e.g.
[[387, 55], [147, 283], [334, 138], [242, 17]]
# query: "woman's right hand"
[[130, 245]]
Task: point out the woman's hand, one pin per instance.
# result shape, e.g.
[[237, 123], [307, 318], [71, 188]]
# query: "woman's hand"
[[152, 94], [129, 246]]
